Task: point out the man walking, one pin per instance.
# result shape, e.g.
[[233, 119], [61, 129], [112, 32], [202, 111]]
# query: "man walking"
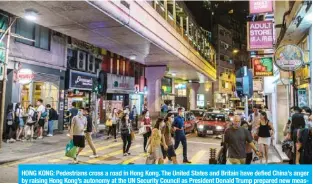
[[235, 139], [72, 113], [90, 128], [178, 126], [42, 114], [254, 120], [77, 134]]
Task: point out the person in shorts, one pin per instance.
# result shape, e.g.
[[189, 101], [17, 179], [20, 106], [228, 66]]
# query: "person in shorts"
[[77, 133], [41, 111]]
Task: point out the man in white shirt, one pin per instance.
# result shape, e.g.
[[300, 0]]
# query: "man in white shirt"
[[42, 114]]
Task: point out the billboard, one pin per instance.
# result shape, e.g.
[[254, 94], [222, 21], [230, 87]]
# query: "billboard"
[[260, 6], [260, 35], [262, 67]]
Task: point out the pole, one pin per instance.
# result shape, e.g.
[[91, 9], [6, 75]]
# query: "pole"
[[4, 82], [246, 107]]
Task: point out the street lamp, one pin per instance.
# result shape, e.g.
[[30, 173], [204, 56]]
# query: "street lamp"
[[30, 15], [235, 51]]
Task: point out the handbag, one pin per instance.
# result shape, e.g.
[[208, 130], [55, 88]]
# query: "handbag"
[[142, 130], [71, 150], [132, 135], [108, 123]]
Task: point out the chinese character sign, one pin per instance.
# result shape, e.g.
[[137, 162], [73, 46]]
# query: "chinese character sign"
[[260, 35], [262, 66], [261, 6]]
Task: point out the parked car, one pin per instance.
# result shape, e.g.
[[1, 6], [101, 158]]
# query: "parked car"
[[190, 121], [212, 124]]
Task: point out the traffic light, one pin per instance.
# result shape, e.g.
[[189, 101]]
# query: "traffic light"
[[102, 83]]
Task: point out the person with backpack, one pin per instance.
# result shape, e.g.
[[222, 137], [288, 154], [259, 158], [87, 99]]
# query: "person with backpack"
[[10, 126], [30, 122], [42, 114], [19, 112], [52, 115], [146, 122]]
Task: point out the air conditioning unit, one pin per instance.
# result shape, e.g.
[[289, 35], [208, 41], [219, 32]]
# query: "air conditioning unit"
[[225, 46], [91, 63], [81, 60]]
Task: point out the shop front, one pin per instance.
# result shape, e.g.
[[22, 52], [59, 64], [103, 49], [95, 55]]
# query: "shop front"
[[78, 89], [120, 88], [28, 83]]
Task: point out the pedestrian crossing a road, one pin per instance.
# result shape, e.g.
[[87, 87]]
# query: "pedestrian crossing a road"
[[111, 153]]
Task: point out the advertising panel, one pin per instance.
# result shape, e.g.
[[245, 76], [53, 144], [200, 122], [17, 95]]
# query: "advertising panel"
[[120, 84], [262, 67], [289, 57], [260, 35], [81, 80], [260, 6], [257, 85]]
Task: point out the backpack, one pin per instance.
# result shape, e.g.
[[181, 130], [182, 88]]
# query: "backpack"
[[44, 114], [10, 118]]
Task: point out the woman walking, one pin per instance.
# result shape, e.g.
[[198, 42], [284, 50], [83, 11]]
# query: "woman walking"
[[146, 122], [168, 139], [112, 129], [126, 130], [19, 120], [266, 131], [10, 125], [156, 141], [30, 122]]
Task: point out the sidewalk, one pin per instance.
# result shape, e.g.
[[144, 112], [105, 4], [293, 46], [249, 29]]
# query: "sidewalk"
[[21, 150], [274, 157]]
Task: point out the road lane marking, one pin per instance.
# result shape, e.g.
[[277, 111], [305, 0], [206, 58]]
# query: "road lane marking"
[[9, 164], [104, 157], [199, 155], [128, 161], [196, 142], [84, 153]]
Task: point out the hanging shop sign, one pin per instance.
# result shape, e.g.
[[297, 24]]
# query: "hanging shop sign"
[[25, 76], [260, 35], [120, 84], [262, 67], [81, 80], [260, 6], [289, 57], [257, 85]]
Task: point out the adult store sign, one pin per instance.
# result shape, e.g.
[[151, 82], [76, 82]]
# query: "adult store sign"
[[260, 6], [81, 80], [260, 35]]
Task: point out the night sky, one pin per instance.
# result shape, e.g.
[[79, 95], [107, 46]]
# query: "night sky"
[[203, 14]]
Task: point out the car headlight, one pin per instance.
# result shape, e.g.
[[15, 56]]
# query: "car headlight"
[[200, 126], [219, 128]]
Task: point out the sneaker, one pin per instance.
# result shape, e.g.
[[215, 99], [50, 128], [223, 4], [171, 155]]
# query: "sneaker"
[[12, 140], [40, 137], [125, 154], [128, 153], [49, 135], [75, 161], [186, 162], [68, 135], [93, 156]]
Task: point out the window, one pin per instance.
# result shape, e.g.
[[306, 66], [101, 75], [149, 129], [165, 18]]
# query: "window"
[[29, 30]]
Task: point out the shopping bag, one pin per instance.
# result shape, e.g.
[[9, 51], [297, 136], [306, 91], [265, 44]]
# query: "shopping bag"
[[108, 123], [132, 135], [71, 150], [142, 130]]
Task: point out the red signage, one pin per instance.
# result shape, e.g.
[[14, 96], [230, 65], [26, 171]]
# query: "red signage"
[[25, 76]]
